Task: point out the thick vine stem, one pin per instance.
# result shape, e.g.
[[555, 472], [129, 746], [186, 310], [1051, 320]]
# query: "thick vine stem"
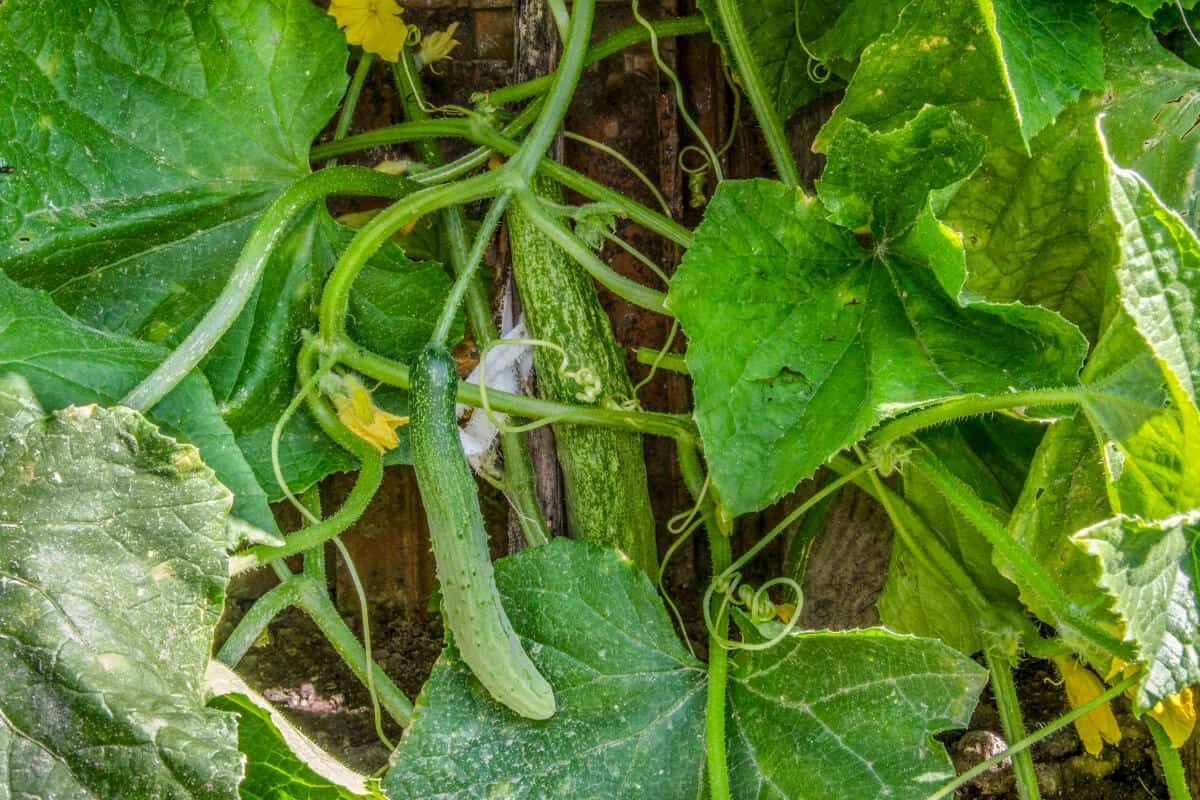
[[756, 91], [492, 139], [716, 760], [960, 408], [965, 502], [272, 226], [1005, 692], [651, 423]]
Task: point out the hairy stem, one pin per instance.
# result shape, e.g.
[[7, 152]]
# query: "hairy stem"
[[965, 502], [1005, 692], [1172, 764], [971, 407], [351, 100]]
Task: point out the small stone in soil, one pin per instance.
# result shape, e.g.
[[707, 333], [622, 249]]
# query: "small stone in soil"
[[977, 746]]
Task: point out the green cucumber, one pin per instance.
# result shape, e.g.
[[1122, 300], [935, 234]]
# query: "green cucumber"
[[473, 611], [604, 470]]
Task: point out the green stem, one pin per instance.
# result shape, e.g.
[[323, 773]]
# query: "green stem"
[[634, 292], [335, 302], [756, 91], [370, 476], [952, 410], [254, 622], [1005, 692], [518, 468], [313, 600], [351, 100], [465, 279], [562, 88], [668, 361], [494, 140], [636, 34], [272, 226], [518, 405], [1033, 738], [718, 657], [1172, 764], [963, 499]]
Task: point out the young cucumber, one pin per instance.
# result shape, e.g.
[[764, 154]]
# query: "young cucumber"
[[473, 612], [604, 470]]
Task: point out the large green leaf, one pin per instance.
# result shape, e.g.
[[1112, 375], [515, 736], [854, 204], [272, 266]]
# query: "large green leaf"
[[1008, 66], [1036, 229], [1158, 275], [806, 715], [1150, 573], [68, 363], [859, 24], [1150, 428], [1151, 106], [826, 716], [143, 145], [630, 698], [281, 762], [112, 541], [801, 340], [1148, 7]]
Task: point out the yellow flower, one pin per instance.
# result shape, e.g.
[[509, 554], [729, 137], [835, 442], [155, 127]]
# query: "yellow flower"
[[1098, 725], [377, 25], [785, 611], [436, 47], [1176, 713], [358, 412]]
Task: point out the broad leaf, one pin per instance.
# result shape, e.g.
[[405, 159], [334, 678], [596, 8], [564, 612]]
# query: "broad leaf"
[[631, 702], [1158, 275], [630, 698], [859, 24], [68, 363], [143, 146], [785, 65], [1151, 107], [1151, 432], [847, 714], [1148, 7], [1036, 230], [883, 180], [801, 340], [281, 762], [1149, 570], [112, 541], [1008, 66]]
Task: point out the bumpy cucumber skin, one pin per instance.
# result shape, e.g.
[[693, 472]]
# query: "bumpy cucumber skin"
[[471, 602], [604, 470]]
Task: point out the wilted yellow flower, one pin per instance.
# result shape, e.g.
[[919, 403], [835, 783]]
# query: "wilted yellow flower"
[[1176, 714], [785, 611], [436, 47], [377, 25], [358, 412], [1098, 725]]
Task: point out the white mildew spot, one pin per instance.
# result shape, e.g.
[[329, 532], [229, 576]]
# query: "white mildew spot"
[[162, 572], [113, 661]]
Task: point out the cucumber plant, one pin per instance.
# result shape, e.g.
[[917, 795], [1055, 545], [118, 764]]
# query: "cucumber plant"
[[983, 315]]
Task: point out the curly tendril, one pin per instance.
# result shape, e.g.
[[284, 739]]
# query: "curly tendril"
[[818, 70]]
